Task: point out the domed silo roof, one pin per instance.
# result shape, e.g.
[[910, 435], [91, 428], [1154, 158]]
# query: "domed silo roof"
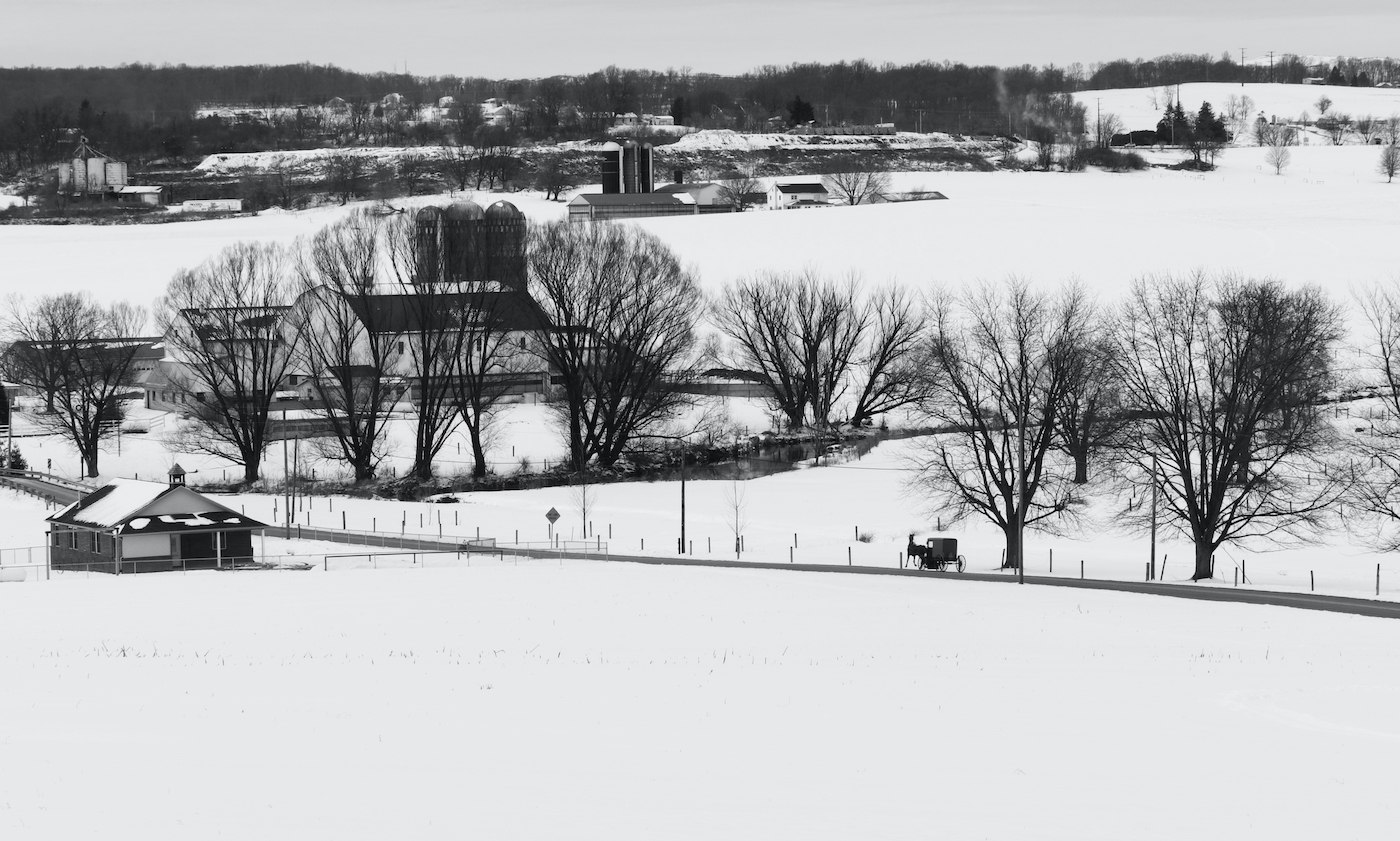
[[503, 211], [428, 214], [461, 211], [609, 147]]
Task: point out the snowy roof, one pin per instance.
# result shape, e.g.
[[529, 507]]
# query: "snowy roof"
[[138, 191], [117, 504], [597, 199]]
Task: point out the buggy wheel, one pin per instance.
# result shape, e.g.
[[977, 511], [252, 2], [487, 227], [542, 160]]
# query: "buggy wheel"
[[962, 562]]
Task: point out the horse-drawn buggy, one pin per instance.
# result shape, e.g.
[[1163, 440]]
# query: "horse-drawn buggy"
[[938, 553]]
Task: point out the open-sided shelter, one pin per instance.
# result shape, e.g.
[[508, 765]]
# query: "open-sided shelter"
[[130, 525]]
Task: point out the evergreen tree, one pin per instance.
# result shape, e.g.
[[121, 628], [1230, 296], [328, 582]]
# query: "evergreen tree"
[[1209, 126], [679, 111], [800, 112], [1336, 77]]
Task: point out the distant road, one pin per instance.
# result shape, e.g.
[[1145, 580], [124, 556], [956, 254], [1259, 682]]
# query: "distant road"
[[1305, 601]]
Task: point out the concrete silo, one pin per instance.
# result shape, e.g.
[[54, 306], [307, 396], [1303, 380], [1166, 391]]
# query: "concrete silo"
[[505, 245], [462, 242]]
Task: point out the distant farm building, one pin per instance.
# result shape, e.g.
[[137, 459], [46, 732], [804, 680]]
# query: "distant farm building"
[[798, 196], [92, 175], [595, 207], [129, 525]]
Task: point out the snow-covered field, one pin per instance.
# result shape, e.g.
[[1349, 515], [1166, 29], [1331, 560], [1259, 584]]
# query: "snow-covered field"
[[1328, 219], [623, 702]]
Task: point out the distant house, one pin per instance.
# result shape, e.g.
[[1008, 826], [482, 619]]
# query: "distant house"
[[446, 101], [798, 196], [628, 119], [595, 207], [129, 525]]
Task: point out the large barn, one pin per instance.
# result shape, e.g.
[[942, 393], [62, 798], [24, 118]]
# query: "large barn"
[[129, 525]]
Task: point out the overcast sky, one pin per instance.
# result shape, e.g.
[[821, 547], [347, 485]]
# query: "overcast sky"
[[527, 38]]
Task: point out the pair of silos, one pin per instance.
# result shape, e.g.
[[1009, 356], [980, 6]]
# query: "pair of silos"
[[628, 167], [463, 243]]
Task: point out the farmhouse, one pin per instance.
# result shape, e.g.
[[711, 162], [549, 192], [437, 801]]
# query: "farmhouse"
[[130, 525], [797, 196]]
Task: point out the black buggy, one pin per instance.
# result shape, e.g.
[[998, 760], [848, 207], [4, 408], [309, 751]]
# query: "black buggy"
[[939, 553]]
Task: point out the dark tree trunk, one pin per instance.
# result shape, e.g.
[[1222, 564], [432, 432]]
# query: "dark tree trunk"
[[1081, 466], [1205, 561]]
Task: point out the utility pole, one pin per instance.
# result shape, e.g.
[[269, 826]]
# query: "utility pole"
[[1271, 66], [680, 549], [1154, 517]]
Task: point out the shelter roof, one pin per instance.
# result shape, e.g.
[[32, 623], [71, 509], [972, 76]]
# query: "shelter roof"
[[119, 505]]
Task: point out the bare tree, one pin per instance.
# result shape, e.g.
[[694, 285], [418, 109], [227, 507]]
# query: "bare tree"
[[1375, 495], [802, 336], [1224, 378], [1337, 126], [1323, 103], [853, 181], [756, 315], [226, 327], [1368, 128], [1090, 418], [93, 346], [1389, 162], [351, 338], [886, 371], [422, 307], [1105, 127], [996, 379], [36, 334], [736, 188], [620, 315], [1279, 158]]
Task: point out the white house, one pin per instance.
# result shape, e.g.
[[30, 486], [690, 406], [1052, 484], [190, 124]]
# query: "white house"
[[798, 196]]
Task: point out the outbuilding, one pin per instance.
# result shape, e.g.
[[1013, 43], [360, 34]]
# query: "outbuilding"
[[129, 525]]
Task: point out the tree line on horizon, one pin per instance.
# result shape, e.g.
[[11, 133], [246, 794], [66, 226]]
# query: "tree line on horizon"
[[141, 111]]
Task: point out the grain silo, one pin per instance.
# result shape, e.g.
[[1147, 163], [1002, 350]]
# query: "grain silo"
[[504, 230], [427, 240], [611, 161], [462, 238]]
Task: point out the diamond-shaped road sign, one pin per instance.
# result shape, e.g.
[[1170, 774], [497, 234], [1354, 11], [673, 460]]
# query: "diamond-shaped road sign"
[[552, 515]]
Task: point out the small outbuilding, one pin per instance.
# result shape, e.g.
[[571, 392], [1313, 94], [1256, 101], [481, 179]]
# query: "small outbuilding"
[[130, 525]]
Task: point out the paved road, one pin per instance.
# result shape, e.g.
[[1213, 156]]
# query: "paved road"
[[60, 494], [1305, 601]]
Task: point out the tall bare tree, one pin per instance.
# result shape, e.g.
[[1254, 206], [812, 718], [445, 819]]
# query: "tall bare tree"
[[226, 327], [1091, 416], [1375, 495], [351, 337], [996, 376], [93, 346], [1224, 378], [620, 315], [800, 335], [886, 372]]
